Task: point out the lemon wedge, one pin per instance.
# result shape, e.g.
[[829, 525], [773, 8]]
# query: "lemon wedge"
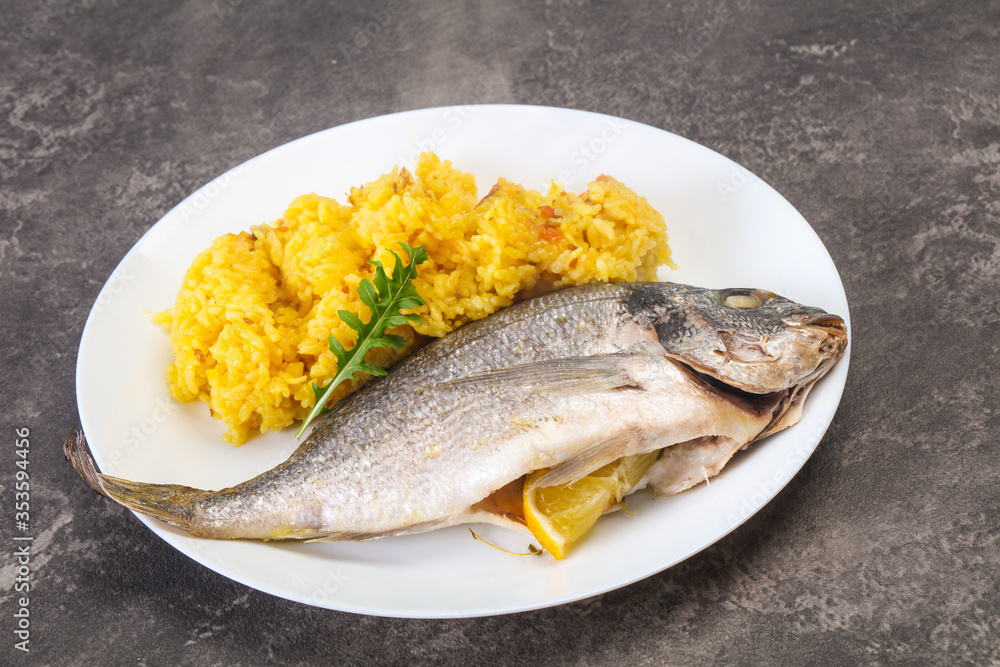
[[560, 515]]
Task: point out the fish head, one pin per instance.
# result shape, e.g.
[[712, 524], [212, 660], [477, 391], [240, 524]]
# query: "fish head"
[[750, 339]]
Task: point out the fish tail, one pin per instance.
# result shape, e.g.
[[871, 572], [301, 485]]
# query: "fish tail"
[[168, 502]]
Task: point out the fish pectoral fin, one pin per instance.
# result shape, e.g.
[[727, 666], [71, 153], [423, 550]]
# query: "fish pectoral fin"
[[597, 455], [570, 375]]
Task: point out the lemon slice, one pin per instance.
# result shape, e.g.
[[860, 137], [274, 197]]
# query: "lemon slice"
[[560, 515]]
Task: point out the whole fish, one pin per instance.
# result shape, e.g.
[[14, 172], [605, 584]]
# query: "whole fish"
[[569, 381]]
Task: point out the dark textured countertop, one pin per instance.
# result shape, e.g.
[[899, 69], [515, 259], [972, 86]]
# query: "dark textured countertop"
[[880, 122]]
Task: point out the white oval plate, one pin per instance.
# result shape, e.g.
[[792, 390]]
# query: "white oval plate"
[[727, 229]]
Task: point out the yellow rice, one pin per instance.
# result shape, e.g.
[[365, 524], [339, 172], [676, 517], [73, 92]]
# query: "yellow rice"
[[249, 327]]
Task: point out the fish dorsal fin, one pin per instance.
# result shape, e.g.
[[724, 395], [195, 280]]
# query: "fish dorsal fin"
[[597, 455], [570, 375]]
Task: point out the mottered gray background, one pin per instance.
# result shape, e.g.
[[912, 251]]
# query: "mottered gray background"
[[879, 121]]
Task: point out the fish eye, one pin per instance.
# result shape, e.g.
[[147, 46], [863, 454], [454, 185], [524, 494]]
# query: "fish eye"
[[743, 299]]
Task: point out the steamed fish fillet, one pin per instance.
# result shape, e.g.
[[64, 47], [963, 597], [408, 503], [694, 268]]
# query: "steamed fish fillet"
[[569, 381]]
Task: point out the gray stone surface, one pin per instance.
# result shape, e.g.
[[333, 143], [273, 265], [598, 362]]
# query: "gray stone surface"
[[879, 121]]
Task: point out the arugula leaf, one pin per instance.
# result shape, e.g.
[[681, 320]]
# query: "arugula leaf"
[[385, 298]]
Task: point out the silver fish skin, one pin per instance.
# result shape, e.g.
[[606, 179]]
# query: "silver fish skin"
[[570, 381]]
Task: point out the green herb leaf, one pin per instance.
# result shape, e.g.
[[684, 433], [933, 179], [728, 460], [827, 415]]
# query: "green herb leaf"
[[385, 298]]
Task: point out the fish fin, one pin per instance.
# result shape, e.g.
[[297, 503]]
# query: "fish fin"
[[571, 375], [168, 502], [75, 451], [597, 455]]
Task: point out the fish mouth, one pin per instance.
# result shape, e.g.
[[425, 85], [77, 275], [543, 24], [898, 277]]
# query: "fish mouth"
[[832, 325], [833, 328], [835, 322]]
